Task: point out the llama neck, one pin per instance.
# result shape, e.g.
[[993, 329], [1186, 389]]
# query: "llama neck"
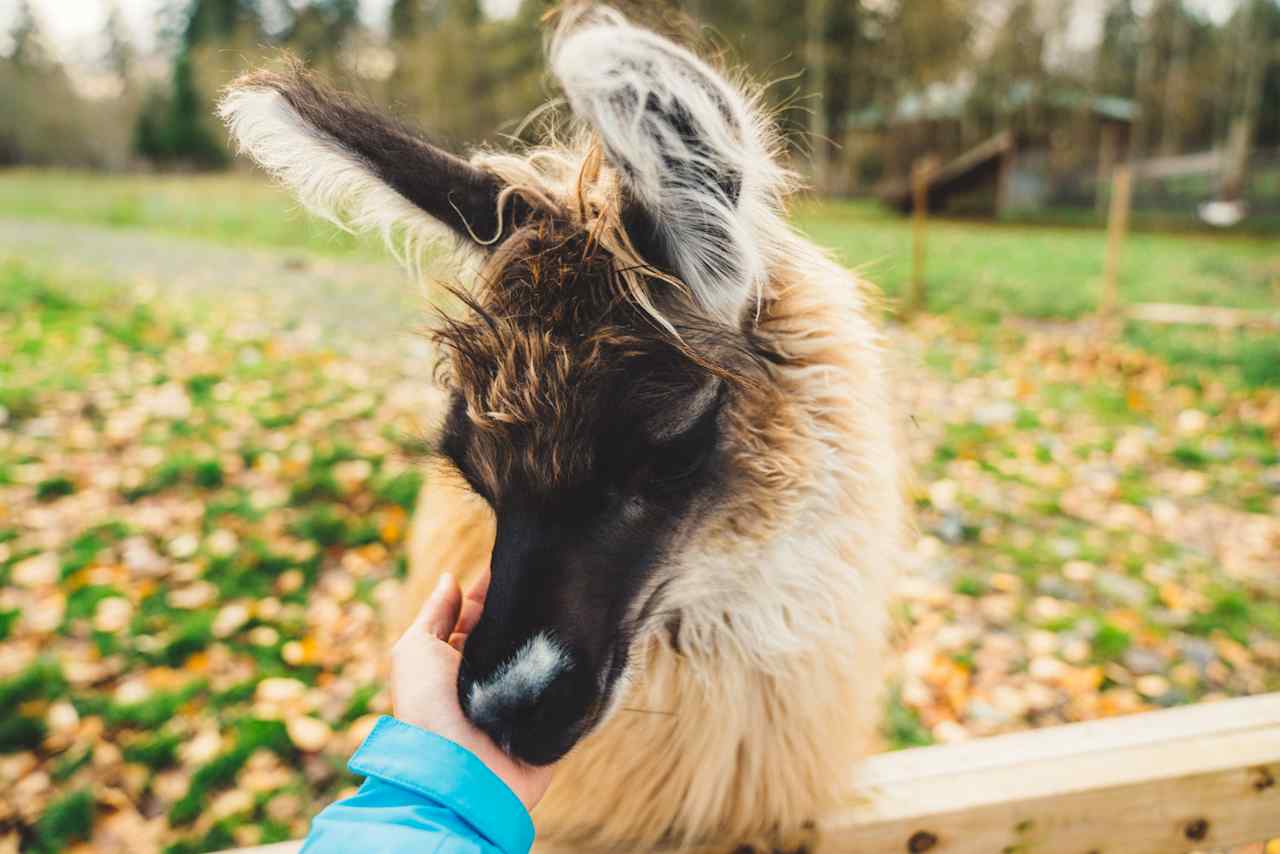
[[802, 555]]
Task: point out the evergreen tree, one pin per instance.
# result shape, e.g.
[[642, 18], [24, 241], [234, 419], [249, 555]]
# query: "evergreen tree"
[[188, 131], [1116, 61], [219, 20], [321, 29], [177, 126], [27, 49], [118, 58], [412, 18]]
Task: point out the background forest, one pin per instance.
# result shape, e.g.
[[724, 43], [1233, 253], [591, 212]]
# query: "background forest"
[[1184, 72]]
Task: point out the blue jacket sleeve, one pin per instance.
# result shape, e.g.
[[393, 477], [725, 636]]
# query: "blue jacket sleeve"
[[422, 794]]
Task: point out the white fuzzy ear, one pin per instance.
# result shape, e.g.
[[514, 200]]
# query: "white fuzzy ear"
[[689, 148], [359, 170]]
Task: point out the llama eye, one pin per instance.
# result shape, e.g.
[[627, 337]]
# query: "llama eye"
[[673, 465], [680, 465]]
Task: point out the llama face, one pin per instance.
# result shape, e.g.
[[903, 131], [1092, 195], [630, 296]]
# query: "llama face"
[[597, 441], [600, 352]]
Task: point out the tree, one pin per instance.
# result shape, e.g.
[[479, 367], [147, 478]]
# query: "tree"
[[175, 128], [815, 53], [412, 18], [27, 49], [45, 120], [118, 57], [321, 29], [219, 20], [175, 124], [1116, 60], [469, 78]]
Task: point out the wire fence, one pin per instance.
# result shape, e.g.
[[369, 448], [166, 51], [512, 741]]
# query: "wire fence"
[[1171, 191]]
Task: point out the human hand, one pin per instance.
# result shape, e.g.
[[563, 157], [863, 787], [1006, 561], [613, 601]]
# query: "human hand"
[[424, 683]]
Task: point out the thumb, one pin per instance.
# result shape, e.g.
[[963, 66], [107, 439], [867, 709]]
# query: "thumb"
[[439, 615]]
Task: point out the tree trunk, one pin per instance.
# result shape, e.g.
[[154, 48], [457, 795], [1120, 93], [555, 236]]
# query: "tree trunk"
[[816, 61]]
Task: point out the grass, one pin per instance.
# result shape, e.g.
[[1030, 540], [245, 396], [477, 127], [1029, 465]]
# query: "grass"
[[67, 820], [978, 272], [983, 272], [229, 208]]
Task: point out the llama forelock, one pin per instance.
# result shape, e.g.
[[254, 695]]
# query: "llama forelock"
[[554, 358]]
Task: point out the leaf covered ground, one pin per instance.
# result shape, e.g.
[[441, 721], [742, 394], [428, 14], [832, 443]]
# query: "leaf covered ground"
[[197, 526], [201, 513]]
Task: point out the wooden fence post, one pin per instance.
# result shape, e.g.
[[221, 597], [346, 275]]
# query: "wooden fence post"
[[1117, 229], [921, 174]]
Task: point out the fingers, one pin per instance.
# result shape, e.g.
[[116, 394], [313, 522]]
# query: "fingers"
[[439, 614], [469, 616], [472, 608], [479, 589], [449, 616]]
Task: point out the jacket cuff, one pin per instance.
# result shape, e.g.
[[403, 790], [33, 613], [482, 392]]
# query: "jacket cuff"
[[446, 773]]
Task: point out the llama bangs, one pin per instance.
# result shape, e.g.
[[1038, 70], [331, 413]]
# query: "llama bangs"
[[665, 430]]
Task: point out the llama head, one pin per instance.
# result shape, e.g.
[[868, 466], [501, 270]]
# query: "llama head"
[[604, 343]]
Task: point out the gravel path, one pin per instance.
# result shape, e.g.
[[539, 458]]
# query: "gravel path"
[[362, 299]]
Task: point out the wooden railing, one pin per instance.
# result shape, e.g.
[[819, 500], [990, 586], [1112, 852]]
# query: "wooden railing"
[[1196, 777]]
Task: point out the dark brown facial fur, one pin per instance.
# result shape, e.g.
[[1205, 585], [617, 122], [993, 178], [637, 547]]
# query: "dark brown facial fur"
[[596, 439]]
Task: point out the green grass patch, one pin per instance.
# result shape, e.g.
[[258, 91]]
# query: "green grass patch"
[[400, 489], [220, 837], [324, 525], [220, 772], [902, 726], [178, 470], [984, 272], [8, 619], [71, 762], [43, 680], [1110, 642], [1238, 614], [1251, 358], [83, 601], [226, 208], [53, 488], [1190, 456], [315, 486], [68, 819], [156, 752], [154, 711], [358, 706], [968, 585]]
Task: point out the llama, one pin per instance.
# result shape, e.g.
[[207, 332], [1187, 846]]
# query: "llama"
[[667, 435]]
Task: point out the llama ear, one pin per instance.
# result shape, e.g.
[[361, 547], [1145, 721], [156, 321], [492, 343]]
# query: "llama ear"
[[360, 170], [695, 168]]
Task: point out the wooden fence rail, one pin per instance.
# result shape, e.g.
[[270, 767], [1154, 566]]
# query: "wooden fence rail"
[[1191, 778]]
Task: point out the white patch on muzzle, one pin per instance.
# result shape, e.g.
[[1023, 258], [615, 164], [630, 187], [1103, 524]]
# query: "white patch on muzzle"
[[520, 681]]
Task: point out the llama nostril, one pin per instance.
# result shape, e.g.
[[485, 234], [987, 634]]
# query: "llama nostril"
[[517, 684]]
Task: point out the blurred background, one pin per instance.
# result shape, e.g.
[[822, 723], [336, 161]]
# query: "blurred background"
[[1187, 89], [209, 402]]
